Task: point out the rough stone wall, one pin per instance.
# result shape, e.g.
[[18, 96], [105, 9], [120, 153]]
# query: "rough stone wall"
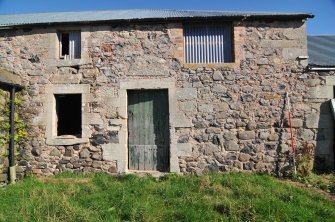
[[320, 119], [240, 121], [230, 117]]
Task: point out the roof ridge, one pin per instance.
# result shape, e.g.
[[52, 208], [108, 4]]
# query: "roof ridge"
[[157, 9]]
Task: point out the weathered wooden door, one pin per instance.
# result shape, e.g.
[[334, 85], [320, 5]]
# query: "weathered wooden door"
[[148, 130]]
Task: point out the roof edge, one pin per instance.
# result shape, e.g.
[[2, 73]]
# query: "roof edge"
[[244, 16], [320, 66]]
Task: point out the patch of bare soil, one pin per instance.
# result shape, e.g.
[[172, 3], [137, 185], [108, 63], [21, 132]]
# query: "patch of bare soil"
[[64, 180], [330, 196]]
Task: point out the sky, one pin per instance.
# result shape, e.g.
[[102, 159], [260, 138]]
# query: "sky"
[[322, 24]]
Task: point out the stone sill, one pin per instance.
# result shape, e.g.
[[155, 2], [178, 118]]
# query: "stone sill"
[[68, 63], [61, 141], [209, 65]]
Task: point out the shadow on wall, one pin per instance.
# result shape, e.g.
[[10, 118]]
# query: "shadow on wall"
[[284, 162], [324, 150]]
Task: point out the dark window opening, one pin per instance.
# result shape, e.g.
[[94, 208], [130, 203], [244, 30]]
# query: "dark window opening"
[[65, 44], [70, 45], [68, 110]]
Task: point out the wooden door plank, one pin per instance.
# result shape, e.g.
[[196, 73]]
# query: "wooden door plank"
[[141, 158], [148, 128], [154, 159]]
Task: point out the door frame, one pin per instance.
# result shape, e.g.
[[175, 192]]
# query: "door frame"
[[157, 139], [147, 84]]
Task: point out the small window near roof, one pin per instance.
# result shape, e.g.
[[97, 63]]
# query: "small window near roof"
[[69, 42], [208, 43]]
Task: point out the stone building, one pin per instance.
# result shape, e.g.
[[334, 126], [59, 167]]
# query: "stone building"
[[161, 90], [320, 79]]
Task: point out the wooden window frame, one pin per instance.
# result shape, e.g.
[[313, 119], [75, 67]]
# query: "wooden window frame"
[[72, 55]]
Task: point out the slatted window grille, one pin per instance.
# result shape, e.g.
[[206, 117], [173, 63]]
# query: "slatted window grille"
[[208, 43], [70, 45]]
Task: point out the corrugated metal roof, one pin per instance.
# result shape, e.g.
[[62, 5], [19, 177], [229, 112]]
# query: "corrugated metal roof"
[[8, 79], [133, 14], [321, 50]]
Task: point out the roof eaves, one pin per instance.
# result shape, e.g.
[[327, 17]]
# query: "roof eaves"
[[229, 16], [321, 65]]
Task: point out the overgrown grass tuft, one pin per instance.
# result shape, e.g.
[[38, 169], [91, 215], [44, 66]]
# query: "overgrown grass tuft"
[[215, 197], [325, 182]]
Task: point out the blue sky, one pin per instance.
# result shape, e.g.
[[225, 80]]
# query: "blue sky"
[[323, 23]]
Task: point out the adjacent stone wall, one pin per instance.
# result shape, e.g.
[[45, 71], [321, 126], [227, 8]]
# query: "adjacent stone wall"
[[230, 116], [320, 119]]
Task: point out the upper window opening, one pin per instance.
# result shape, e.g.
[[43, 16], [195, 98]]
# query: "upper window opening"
[[208, 43], [70, 45], [68, 111]]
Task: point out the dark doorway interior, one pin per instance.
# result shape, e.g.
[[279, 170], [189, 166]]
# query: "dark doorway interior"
[[68, 110], [65, 43]]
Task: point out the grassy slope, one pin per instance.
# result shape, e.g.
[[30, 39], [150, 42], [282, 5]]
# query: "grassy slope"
[[217, 197]]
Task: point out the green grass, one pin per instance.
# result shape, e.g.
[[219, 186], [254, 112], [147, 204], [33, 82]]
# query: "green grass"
[[216, 197], [325, 182]]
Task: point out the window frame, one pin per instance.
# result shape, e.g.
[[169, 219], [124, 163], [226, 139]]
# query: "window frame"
[[73, 55], [51, 122], [224, 26], [60, 103]]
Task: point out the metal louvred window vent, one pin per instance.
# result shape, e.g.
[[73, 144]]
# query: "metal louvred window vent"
[[208, 43]]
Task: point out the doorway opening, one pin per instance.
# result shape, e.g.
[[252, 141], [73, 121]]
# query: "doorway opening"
[[148, 130]]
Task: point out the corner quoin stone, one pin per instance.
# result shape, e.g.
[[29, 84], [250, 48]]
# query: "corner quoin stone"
[[312, 120]]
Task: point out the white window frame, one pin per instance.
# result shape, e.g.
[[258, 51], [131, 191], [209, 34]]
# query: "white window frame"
[[74, 44]]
